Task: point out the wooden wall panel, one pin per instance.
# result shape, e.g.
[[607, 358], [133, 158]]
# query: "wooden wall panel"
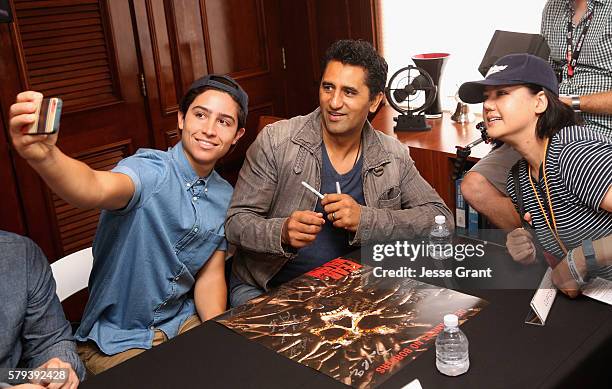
[[191, 54], [236, 35], [164, 74], [49, 35]]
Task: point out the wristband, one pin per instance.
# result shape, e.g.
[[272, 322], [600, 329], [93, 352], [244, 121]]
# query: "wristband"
[[573, 270], [589, 257], [576, 103]]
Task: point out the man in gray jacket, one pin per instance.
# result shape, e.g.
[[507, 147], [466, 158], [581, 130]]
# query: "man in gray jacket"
[[373, 192]]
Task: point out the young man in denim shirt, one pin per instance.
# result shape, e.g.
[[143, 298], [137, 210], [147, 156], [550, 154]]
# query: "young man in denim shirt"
[[159, 250]]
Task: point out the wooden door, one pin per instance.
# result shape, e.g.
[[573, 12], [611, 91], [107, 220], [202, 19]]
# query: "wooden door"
[[83, 51], [182, 40], [308, 28]]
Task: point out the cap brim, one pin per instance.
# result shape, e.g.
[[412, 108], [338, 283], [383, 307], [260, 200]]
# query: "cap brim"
[[472, 92]]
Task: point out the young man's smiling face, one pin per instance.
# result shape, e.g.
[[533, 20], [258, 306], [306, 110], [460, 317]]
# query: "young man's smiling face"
[[209, 129], [344, 98]]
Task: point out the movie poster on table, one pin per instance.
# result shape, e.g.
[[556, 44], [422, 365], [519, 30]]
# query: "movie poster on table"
[[343, 321]]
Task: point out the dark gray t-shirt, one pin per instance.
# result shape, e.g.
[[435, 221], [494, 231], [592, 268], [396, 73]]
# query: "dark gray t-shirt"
[[331, 242]]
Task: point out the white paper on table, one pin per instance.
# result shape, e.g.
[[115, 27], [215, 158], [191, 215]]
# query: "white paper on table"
[[600, 290], [414, 384], [542, 300]]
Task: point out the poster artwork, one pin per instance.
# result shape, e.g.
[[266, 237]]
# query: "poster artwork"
[[342, 321]]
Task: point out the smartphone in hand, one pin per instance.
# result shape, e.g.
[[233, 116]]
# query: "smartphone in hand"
[[48, 112]]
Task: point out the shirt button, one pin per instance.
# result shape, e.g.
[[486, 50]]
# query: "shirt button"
[[188, 185], [176, 278], [195, 198], [151, 328], [205, 189], [196, 229]]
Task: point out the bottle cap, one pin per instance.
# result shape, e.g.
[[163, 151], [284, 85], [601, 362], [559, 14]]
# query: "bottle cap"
[[451, 320], [440, 219]]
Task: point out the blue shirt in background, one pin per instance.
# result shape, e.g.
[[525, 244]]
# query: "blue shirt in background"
[[331, 242], [147, 255]]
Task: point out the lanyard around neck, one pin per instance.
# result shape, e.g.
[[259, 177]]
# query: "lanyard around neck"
[[552, 222], [572, 54]]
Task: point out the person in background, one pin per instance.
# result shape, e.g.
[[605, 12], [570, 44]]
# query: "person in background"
[[34, 332], [564, 177], [585, 84], [159, 251]]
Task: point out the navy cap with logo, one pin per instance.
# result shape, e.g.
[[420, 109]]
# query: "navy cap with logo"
[[226, 84], [512, 69]]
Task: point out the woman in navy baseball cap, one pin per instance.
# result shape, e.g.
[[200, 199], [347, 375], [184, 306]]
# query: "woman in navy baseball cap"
[[562, 187]]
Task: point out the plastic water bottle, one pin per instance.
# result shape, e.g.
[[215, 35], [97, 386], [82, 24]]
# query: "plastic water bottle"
[[452, 355], [440, 239]]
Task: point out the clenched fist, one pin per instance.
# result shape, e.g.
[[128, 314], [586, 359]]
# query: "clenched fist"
[[301, 228]]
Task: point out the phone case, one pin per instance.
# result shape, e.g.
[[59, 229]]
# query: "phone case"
[[48, 114]]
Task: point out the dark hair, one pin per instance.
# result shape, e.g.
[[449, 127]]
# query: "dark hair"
[[191, 95], [360, 53], [556, 116]]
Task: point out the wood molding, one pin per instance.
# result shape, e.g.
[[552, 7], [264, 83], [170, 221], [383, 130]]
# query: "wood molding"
[[167, 107]]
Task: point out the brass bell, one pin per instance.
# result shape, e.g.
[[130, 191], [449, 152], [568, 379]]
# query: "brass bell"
[[462, 114]]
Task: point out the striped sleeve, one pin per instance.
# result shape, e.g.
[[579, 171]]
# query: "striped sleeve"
[[586, 170]]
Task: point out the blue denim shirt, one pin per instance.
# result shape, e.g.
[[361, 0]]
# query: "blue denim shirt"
[[33, 328], [146, 256]]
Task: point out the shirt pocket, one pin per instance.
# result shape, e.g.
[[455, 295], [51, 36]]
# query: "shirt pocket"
[[390, 198], [199, 250]]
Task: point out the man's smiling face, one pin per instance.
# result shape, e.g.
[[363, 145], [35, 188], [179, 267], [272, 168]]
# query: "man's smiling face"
[[344, 98]]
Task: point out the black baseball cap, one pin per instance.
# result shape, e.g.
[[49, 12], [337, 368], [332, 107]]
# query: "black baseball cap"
[[226, 84], [512, 69]]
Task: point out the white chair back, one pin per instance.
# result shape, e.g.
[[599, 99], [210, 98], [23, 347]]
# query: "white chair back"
[[71, 273]]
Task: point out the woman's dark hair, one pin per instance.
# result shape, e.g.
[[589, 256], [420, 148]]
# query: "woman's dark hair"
[[360, 53], [556, 116], [191, 95]]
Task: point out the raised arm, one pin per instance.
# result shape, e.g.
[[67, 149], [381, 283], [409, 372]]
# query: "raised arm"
[[70, 179]]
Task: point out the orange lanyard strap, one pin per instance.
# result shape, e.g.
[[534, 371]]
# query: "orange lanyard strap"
[[552, 227]]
